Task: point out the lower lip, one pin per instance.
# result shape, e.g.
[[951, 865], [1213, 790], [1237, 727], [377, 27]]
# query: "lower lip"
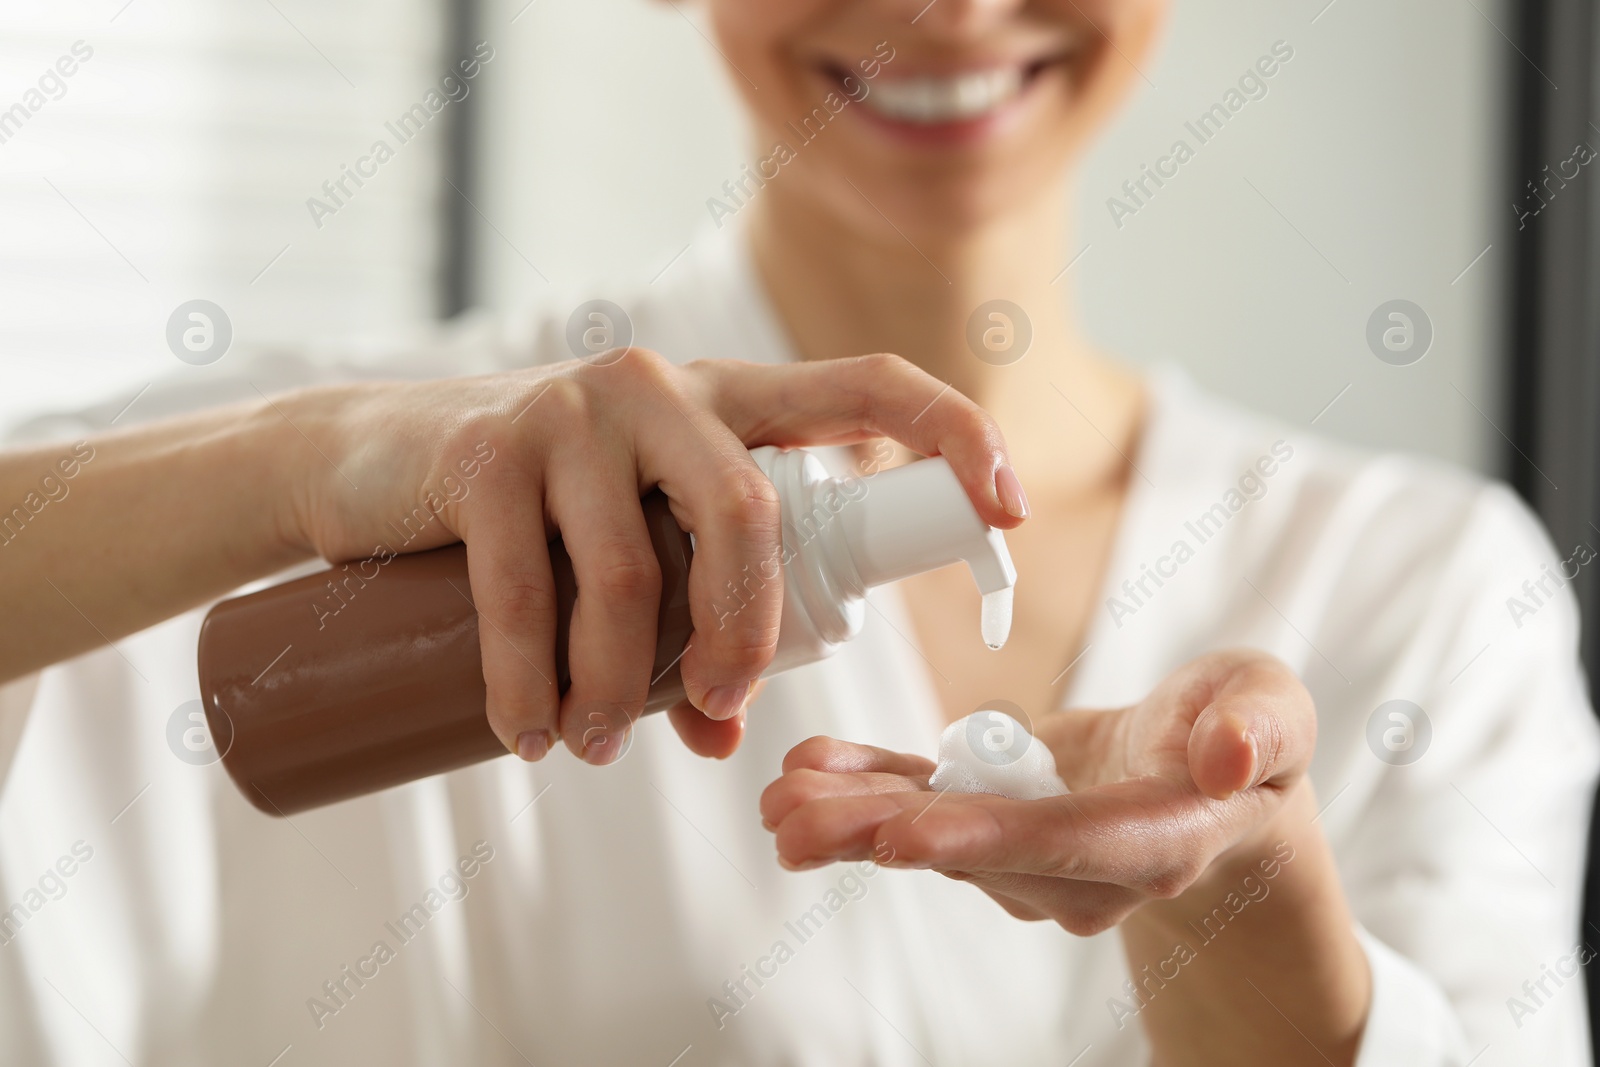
[[961, 132]]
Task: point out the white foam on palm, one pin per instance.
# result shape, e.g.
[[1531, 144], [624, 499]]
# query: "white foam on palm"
[[990, 752]]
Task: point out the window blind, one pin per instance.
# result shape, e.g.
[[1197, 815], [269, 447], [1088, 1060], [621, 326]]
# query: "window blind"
[[154, 152]]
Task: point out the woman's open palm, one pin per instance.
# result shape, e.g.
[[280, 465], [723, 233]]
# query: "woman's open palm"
[[1159, 791]]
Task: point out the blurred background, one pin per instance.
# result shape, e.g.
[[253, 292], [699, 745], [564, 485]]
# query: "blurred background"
[[1406, 152], [178, 162]]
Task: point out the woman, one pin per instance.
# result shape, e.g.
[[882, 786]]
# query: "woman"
[[1337, 814]]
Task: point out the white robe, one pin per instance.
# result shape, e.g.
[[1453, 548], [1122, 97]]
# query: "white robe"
[[621, 907]]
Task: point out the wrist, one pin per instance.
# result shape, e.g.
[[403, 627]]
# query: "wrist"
[[280, 434], [1271, 910]]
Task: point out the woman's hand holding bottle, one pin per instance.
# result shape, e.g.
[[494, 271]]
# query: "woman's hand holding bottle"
[[567, 450]]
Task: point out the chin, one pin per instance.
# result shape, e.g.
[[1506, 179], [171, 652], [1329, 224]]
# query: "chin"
[[938, 197], [938, 206]]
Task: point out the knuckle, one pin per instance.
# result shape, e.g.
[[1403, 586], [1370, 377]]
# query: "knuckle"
[[564, 394], [524, 604], [748, 500], [646, 365], [1085, 922], [479, 433], [746, 651], [706, 381], [882, 373], [628, 572], [887, 363], [1171, 881], [964, 419], [1164, 886], [979, 423], [558, 403]]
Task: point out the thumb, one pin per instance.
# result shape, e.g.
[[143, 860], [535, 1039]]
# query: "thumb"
[[1259, 729], [714, 738]]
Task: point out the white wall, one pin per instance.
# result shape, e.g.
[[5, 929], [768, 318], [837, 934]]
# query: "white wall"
[[1378, 141]]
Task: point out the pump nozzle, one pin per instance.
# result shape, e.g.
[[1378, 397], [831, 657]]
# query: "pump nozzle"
[[917, 518]]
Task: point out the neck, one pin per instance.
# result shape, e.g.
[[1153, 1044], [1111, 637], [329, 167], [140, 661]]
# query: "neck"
[[842, 292]]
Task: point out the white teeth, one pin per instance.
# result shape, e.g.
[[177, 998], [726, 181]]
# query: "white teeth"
[[954, 99]]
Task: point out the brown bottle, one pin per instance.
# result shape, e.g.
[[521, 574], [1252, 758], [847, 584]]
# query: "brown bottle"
[[378, 679], [365, 677]]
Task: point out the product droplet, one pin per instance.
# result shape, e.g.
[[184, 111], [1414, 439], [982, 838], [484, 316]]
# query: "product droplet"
[[996, 617]]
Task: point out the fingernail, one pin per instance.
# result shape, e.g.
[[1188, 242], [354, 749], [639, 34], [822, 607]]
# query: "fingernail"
[[1009, 490], [533, 745], [599, 752], [725, 701]]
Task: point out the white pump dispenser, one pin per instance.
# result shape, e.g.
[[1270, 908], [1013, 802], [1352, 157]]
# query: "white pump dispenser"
[[843, 536]]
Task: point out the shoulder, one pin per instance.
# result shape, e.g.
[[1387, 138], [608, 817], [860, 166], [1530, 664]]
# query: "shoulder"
[[1371, 522], [1384, 580], [1372, 572]]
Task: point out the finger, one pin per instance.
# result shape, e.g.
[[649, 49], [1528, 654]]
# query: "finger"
[[1132, 833], [713, 738], [719, 495], [611, 637], [1260, 727], [716, 738], [804, 786], [513, 589], [834, 828], [827, 754], [842, 401], [1150, 833]]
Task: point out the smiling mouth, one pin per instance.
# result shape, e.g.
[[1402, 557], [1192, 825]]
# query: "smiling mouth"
[[933, 100]]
